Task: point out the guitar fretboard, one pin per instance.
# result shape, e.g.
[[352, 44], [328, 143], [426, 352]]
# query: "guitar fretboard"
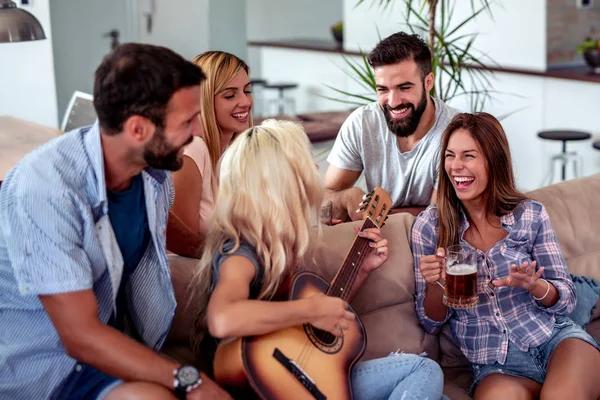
[[346, 277]]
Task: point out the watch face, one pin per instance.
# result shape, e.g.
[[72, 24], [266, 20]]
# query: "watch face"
[[187, 375]]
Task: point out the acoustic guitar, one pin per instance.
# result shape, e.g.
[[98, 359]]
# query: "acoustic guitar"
[[303, 362]]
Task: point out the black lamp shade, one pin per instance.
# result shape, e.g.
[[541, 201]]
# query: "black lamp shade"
[[18, 25]]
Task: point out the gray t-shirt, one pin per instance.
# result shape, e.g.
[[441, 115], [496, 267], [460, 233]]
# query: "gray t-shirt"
[[366, 143], [244, 250]]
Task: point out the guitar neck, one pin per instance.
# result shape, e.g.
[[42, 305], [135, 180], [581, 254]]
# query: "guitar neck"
[[344, 280]]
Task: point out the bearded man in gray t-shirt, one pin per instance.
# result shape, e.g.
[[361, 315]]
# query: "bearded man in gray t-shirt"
[[396, 140]]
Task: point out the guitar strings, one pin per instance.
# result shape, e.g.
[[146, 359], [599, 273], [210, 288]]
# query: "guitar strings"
[[347, 275]]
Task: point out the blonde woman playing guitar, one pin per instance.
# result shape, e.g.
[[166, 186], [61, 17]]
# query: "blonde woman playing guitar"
[[269, 192]]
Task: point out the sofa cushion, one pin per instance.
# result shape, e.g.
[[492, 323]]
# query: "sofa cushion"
[[182, 271], [457, 382], [399, 326]]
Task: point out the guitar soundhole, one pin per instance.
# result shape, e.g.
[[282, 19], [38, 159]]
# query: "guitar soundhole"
[[324, 336], [323, 340]]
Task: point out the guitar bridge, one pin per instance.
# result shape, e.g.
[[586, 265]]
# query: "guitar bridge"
[[299, 374]]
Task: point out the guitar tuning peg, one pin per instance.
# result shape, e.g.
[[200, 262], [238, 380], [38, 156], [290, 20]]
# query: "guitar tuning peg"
[[383, 223]]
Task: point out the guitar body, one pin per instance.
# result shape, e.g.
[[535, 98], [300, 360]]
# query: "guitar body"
[[300, 362]]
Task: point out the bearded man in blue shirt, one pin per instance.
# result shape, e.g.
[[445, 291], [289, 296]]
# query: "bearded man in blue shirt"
[[86, 299]]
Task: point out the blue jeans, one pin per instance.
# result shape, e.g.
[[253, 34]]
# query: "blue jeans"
[[398, 376], [532, 364], [588, 293], [86, 383]]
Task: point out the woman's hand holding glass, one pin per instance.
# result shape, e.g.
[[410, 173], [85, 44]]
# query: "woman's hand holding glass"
[[433, 267]]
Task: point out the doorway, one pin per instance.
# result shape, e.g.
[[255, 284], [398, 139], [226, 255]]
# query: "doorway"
[[83, 32]]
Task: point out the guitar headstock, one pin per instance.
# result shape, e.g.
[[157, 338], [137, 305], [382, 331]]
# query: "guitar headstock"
[[376, 204]]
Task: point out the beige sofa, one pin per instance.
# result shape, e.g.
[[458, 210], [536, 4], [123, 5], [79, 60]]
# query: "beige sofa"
[[385, 302]]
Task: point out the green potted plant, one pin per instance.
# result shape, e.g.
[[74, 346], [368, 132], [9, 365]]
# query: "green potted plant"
[[591, 53], [337, 31]]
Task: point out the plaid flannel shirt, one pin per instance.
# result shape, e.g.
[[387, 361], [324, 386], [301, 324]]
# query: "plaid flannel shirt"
[[503, 314]]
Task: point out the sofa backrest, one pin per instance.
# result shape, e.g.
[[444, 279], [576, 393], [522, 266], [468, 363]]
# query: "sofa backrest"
[[574, 210]]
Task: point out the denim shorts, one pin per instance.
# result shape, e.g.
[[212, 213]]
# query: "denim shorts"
[[532, 363], [87, 383]]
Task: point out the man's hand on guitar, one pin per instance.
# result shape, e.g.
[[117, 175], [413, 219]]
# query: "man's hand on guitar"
[[331, 314], [380, 251], [354, 198], [208, 390]]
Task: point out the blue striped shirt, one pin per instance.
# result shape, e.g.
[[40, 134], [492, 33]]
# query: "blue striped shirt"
[[56, 237]]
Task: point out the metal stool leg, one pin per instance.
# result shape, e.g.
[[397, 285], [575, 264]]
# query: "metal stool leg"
[[551, 173], [548, 176], [564, 166], [281, 108]]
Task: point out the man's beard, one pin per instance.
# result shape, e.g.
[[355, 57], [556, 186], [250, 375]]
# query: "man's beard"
[[160, 154], [407, 125]]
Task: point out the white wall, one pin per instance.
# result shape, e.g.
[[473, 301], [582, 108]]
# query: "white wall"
[[182, 26], [365, 24], [190, 27], [292, 19], [27, 88], [515, 37], [516, 34], [227, 27], [272, 20]]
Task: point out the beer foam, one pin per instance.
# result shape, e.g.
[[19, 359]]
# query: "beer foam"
[[461, 269]]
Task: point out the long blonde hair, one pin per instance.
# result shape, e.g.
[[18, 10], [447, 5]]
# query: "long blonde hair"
[[269, 193], [501, 194], [220, 68]]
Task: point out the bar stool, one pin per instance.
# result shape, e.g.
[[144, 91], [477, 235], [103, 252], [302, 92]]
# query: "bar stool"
[[565, 156], [258, 108], [596, 144], [282, 101]]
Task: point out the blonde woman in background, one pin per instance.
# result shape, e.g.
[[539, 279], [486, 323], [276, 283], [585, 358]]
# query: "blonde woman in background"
[[261, 230], [226, 111]]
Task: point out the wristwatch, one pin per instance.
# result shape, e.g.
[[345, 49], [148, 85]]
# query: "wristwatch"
[[187, 378]]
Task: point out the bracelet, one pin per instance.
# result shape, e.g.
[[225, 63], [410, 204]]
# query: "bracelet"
[[545, 294]]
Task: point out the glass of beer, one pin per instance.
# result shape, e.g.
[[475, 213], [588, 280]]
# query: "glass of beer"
[[460, 287]]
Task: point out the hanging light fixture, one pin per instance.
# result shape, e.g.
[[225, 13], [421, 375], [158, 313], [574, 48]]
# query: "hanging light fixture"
[[18, 25]]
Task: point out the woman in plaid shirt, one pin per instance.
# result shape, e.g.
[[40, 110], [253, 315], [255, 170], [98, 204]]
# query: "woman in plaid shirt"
[[518, 339]]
